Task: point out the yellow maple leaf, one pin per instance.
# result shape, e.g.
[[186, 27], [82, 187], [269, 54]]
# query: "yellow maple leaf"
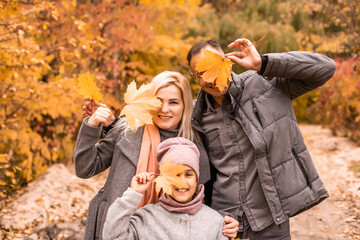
[[139, 104], [215, 67], [169, 176], [88, 88]]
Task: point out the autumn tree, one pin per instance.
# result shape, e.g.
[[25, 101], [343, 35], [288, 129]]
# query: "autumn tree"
[[43, 47]]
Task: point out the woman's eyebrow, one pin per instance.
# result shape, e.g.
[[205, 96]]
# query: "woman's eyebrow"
[[171, 99]]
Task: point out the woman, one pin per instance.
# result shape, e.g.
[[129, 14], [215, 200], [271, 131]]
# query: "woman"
[[129, 152]]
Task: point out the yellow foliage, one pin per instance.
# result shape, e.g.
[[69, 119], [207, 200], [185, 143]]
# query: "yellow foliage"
[[88, 88], [168, 2], [37, 121], [139, 104], [169, 177]]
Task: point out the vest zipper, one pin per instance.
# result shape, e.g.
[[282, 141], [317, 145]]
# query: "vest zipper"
[[302, 168], [256, 113]]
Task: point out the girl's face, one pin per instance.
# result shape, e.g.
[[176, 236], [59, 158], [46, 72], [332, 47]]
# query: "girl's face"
[[169, 114], [185, 195]]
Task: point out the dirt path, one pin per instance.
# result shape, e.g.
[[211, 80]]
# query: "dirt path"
[[54, 206], [338, 217]]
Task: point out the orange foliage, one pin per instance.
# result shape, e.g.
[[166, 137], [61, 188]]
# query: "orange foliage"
[[44, 45], [215, 68], [338, 104]]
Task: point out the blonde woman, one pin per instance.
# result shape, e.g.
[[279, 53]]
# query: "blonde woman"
[[130, 152]]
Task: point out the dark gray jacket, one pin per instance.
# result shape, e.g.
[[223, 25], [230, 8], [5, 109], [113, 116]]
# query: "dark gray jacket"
[[121, 152], [264, 109]]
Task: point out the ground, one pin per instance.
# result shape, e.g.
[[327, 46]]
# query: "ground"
[[55, 205]]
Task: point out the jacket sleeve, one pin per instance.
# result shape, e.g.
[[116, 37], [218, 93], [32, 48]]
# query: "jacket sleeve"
[[90, 157], [221, 236], [121, 221], [297, 73]]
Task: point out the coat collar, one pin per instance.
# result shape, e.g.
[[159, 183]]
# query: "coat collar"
[[234, 93]]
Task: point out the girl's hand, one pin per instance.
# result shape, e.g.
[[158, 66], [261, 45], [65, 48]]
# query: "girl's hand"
[[141, 181], [231, 227], [247, 57], [102, 115]]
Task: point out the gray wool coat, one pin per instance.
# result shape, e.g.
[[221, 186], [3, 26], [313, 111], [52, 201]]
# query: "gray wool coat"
[[120, 152], [263, 107], [124, 222]]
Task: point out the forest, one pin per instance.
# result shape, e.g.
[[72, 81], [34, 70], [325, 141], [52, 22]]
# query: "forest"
[[46, 44]]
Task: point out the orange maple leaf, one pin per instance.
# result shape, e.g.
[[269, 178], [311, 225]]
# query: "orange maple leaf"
[[215, 67], [169, 176], [139, 104], [88, 88]]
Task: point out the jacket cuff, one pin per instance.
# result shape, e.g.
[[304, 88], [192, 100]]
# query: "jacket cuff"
[[132, 197], [108, 128], [90, 130], [264, 61]]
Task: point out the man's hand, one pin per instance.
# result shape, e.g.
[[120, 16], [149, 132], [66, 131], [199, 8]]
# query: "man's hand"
[[102, 115], [247, 57], [141, 181], [231, 227]]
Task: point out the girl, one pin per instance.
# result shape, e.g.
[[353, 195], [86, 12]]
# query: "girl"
[[180, 215]]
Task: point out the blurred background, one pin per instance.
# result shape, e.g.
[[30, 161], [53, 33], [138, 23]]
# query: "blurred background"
[[45, 45]]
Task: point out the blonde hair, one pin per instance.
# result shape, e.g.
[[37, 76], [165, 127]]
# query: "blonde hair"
[[167, 78]]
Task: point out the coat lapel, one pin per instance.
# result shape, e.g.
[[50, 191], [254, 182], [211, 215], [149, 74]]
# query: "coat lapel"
[[130, 145]]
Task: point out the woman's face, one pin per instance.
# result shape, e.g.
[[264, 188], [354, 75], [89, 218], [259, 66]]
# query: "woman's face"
[[169, 114], [185, 195]]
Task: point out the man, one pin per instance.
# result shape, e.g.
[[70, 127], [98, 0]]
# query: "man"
[[264, 173]]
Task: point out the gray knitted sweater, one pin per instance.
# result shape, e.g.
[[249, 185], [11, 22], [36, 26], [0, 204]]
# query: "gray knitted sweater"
[[124, 221]]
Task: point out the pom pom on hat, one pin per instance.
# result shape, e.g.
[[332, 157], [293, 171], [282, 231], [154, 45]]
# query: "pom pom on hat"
[[181, 151]]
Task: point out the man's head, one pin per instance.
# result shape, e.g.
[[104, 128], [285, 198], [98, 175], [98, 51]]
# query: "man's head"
[[195, 55]]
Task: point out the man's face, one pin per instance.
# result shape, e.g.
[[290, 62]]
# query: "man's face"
[[206, 86]]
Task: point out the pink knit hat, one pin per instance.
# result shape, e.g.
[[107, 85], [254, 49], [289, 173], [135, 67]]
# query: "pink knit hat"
[[181, 150]]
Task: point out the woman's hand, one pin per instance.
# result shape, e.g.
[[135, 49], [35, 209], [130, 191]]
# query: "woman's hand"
[[89, 108], [141, 181], [102, 115], [247, 57], [231, 227]]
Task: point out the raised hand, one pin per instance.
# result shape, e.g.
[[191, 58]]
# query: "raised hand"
[[247, 57], [89, 108], [102, 115], [141, 181]]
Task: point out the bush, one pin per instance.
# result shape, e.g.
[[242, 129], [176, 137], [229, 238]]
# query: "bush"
[[337, 103]]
